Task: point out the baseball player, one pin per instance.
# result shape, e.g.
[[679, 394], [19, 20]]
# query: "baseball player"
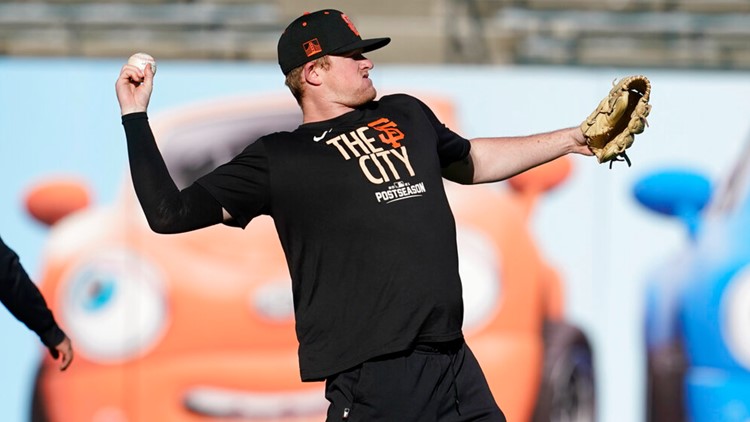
[[376, 287]]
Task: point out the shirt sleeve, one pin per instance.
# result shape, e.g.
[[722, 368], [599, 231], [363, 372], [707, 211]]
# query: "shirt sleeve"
[[242, 186], [24, 300], [167, 209], [451, 146]]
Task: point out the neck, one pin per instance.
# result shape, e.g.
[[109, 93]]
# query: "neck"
[[315, 111]]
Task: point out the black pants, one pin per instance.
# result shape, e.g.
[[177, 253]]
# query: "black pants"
[[431, 383]]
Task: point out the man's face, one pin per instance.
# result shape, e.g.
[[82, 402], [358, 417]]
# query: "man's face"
[[348, 79]]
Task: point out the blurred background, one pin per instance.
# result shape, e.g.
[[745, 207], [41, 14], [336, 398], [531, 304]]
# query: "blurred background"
[[505, 67], [674, 34]]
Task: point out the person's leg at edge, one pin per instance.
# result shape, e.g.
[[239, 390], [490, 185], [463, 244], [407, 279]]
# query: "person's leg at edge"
[[475, 402], [428, 384]]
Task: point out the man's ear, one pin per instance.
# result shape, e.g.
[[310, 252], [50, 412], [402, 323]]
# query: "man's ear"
[[310, 72]]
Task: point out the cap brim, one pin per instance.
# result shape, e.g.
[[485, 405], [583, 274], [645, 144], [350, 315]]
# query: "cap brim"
[[364, 45]]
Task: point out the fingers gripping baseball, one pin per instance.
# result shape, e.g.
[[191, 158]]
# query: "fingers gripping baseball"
[[135, 84]]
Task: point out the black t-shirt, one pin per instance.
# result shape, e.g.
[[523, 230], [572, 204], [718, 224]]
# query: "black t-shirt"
[[360, 208]]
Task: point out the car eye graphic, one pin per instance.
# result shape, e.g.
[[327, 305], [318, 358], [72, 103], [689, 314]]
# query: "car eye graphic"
[[273, 301], [480, 274], [736, 316], [114, 306]]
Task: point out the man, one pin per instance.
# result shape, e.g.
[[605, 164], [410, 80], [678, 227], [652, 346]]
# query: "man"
[[24, 300], [377, 294]]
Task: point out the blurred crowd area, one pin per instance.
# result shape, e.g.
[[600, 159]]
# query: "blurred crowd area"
[[703, 34]]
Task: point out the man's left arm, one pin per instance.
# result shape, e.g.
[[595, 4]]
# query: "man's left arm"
[[495, 159], [25, 302]]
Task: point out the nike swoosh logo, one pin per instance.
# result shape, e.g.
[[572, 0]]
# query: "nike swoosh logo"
[[320, 138]]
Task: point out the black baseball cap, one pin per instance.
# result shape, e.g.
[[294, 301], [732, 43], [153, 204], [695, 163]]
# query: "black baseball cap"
[[317, 34]]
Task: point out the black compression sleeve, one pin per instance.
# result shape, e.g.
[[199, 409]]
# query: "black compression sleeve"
[[24, 300], [167, 209]]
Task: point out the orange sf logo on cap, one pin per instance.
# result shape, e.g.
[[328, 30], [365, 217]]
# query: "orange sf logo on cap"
[[312, 47], [351, 25]]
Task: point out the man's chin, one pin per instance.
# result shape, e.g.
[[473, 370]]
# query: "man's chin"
[[365, 98]]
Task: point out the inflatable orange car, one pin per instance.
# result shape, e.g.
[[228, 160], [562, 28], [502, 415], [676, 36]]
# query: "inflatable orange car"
[[199, 326]]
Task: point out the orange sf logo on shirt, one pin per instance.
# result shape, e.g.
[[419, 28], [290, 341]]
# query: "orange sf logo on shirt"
[[391, 134]]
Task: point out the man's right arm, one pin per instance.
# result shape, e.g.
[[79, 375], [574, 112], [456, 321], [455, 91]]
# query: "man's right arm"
[[167, 209]]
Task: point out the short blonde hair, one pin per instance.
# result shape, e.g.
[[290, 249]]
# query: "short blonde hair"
[[294, 77]]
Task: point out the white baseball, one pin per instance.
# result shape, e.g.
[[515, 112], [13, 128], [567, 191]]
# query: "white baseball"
[[140, 60]]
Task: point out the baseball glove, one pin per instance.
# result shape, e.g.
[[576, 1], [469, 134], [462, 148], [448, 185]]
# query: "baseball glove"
[[610, 129]]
